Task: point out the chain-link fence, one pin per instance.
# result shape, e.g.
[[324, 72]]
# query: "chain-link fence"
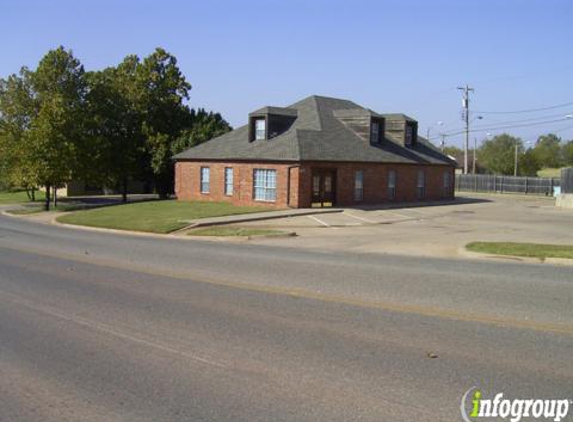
[[509, 184]]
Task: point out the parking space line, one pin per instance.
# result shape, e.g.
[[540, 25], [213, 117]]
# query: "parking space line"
[[397, 214], [318, 220], [359, 218]]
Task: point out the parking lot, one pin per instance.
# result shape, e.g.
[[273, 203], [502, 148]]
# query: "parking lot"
[[438, 230]]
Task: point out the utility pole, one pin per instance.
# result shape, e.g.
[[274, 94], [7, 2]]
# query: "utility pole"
[[515, 166], [443, 142], [475, 152], [466, 104]]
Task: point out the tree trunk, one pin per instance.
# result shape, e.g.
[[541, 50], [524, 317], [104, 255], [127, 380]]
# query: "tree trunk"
[[55, 197], [47, 201], [33, 194], [124, 190]]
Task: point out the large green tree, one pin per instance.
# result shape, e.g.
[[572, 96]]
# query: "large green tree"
[[528, 164], [57, 134], [59, 123], [497, 155], [115, 125], [17, 111], [547, 151], [205, 126], [161, 94], [567, 154]]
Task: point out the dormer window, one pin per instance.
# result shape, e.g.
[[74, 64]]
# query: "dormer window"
[[409, 136], [375, 131], [260, 129]]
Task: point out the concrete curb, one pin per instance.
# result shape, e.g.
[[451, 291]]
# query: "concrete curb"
[[244, 238], [272, 236], [513, 258], [253, 217], [177, 234], [559, 261]]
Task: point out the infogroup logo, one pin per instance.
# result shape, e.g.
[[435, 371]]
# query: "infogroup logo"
[[475, 407]]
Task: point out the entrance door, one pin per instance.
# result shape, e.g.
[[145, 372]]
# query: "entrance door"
[[323, 187]]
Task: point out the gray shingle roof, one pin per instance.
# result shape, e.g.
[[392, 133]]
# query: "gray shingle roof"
[[284, 111], [316, 135]]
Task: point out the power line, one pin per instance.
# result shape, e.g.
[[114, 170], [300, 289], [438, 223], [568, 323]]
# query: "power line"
[[505, 122], [481, 129], [562, 129], [529, 119], [531, 110]]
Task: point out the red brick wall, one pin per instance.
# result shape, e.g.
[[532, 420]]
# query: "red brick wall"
[[375, 182], [187, 182]]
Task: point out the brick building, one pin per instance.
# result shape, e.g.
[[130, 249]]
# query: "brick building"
[[318, 151]]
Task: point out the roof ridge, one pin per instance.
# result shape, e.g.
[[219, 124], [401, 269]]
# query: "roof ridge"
[[318, 112]]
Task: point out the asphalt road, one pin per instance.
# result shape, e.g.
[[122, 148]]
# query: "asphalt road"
[[100, 327]]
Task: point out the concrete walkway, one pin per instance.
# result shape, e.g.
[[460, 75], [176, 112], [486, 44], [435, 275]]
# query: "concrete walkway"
[[258, 216]]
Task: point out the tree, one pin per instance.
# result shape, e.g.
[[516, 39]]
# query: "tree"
[[17, 111], [547, 151], [57, 133], [205, 126], [567, 154], [160, 95], [115, 125], [497, 155], [453, 151], [528, 164]]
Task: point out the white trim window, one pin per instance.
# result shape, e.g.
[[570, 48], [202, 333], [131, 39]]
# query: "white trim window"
[[205, 179], [265, 185], [391, 184], [447, 183], [359, 186], [229, 181], [421, 185], [260, 129]]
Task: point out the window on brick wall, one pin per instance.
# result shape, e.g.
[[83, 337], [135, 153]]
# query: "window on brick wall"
[[228, 181], [421, 185], [265, 185], [391, 184], [205, 180], [359, 186]]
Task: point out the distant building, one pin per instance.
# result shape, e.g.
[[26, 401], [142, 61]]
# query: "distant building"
[[318, 151]]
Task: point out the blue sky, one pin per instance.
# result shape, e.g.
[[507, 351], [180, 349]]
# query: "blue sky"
[[391, 56]]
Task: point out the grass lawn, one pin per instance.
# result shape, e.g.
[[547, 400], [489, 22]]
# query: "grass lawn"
[[533, 250], [26, 211], [234, 231], [17, 197], [549, 172], [153, 216]]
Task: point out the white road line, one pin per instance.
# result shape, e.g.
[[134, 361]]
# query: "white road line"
[[359, 218], [318, 220], [106, 329]]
